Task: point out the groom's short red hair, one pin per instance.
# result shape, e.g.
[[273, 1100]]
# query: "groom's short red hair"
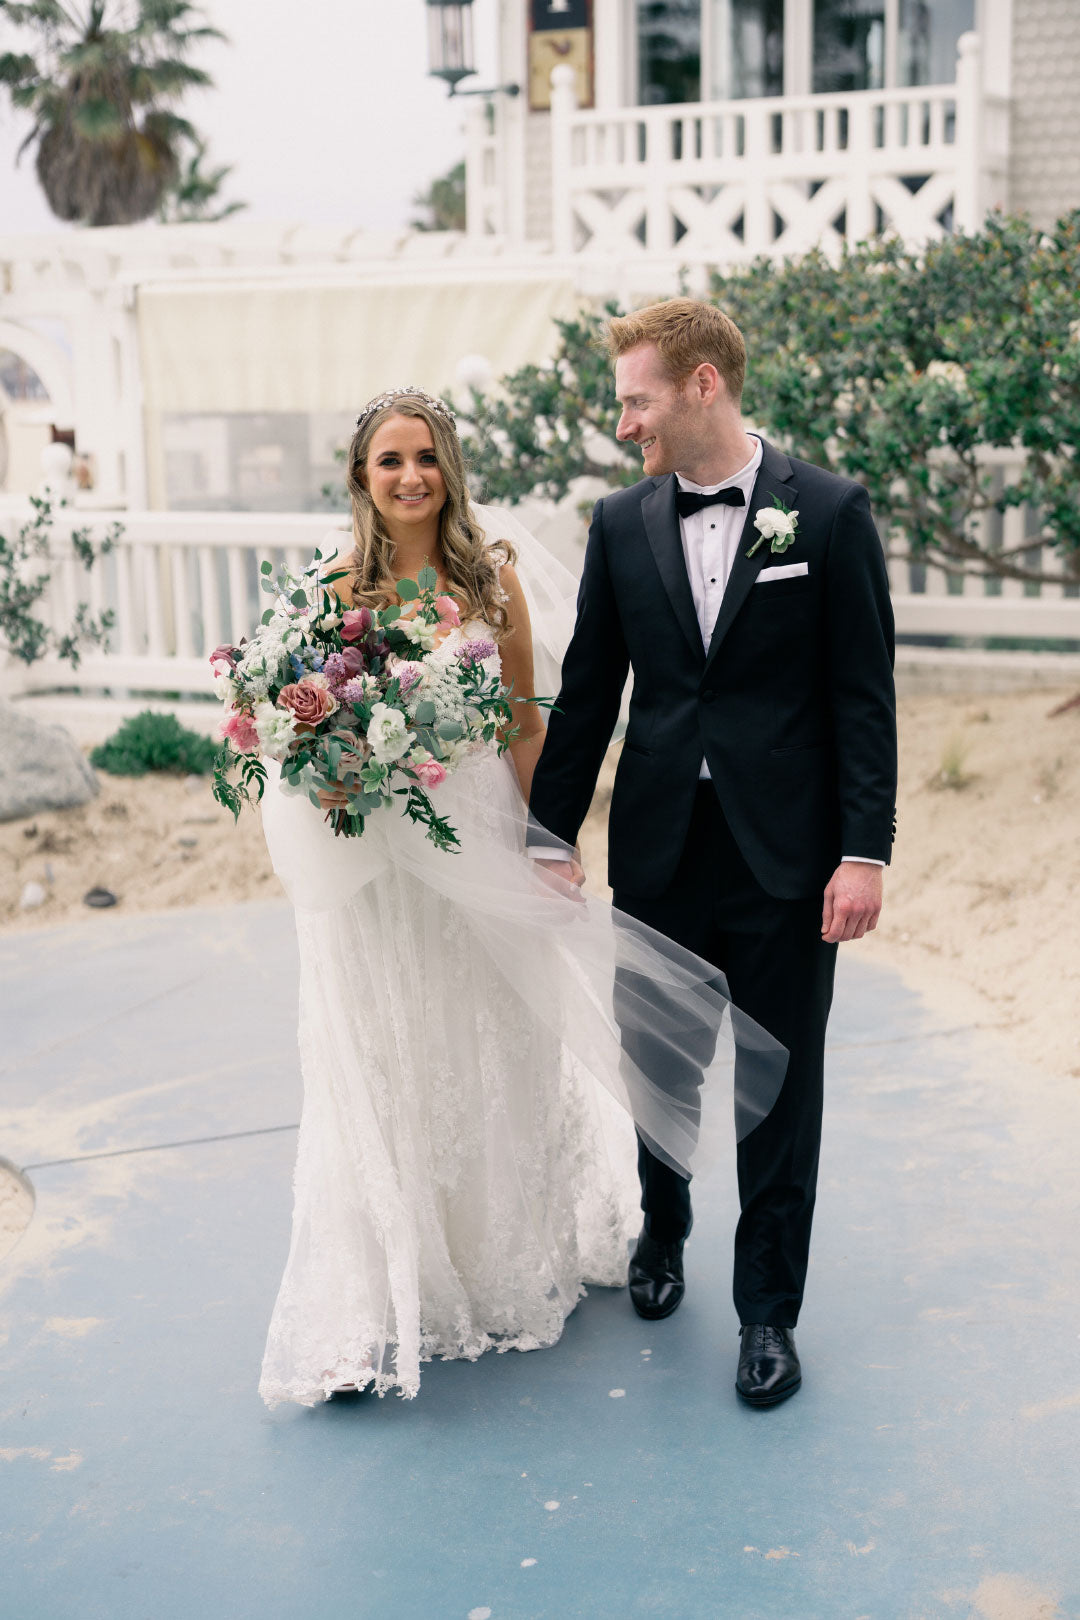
[[686, 334]]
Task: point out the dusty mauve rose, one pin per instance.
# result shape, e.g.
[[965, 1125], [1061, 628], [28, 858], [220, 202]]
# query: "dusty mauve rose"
[[447, 610], [224, 652], [356, 622], [431, 773], [309, 700], [239, 729]]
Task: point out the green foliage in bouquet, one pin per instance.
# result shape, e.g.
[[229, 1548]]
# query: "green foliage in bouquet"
[[25, 570], [151, 741], [893, 367]]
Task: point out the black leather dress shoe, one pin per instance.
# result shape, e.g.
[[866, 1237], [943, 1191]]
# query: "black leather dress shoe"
[[769, 1368], [656, 1277]]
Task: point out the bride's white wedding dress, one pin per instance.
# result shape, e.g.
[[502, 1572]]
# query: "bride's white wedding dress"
[[463, 1167]]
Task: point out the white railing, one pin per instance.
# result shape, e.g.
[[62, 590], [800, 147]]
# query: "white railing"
[[484, 212], [724, 182], [180, 583]]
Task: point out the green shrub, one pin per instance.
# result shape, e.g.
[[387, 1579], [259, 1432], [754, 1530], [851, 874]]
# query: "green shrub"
[[155, 742]]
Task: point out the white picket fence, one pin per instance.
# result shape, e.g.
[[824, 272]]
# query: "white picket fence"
[[180, 583]]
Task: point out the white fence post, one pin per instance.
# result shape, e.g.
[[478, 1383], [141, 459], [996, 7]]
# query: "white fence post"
[[563, 107], [968, 207], [475, 142]]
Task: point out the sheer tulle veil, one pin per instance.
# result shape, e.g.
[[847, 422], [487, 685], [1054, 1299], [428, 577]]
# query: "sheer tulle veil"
[[632, 1011]]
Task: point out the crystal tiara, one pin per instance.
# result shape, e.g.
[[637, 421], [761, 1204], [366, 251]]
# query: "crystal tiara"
[[409, 392]]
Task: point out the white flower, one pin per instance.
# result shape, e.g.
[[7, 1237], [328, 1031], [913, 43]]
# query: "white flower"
[[772, 523], [226, 688], [388, 734], [329, 621], [948, 371], [419, 632], [276, 729]]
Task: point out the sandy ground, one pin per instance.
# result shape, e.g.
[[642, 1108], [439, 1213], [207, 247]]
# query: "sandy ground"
[[982, 908]]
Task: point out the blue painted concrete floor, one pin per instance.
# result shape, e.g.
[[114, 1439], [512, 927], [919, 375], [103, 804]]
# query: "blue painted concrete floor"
[[928, 1468]]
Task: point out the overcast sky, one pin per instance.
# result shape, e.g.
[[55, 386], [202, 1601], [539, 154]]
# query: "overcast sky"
[[324, 107]]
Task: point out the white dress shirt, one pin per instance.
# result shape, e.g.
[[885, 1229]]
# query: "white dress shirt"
[[710, 539]]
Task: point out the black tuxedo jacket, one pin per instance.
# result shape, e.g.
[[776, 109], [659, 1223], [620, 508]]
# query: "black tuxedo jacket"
[[792, 703]]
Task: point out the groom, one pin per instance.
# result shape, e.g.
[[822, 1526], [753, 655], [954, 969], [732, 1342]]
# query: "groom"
[[754, 803]]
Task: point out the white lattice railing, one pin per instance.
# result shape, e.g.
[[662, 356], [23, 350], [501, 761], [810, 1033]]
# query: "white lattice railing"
[[724, 182], [182, 582]]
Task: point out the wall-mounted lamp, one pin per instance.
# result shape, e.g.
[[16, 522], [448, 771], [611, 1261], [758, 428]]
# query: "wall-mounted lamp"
[[450, 47]]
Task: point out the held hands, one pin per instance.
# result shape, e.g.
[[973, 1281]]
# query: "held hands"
[[570, 872], [852, 902]]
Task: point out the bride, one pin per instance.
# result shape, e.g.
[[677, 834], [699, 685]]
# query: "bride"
[[464, 1167]]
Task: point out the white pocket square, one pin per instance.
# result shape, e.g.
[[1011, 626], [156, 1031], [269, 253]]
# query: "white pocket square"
[[782, 571]]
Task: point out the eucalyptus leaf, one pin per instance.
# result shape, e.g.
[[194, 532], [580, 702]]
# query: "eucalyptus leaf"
[[266, 568], [425, 712], [299, 599], [407, 589], [450, 730], [267, 616], [427, 579]]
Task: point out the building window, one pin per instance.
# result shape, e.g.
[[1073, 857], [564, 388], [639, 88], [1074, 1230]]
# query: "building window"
[[746, 48], [668, 51], [849, 45], [886, 44], [928, 35]]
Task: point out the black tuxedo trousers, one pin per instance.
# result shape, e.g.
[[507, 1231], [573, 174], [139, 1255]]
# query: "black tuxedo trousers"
[[779, 971]]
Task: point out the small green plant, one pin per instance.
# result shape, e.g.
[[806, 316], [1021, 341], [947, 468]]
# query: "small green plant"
[[25, 571], [155, 742], [950, 773]]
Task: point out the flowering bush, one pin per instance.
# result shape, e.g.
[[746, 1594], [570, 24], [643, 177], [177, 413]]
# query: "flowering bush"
[[357, 700], [894, 366]]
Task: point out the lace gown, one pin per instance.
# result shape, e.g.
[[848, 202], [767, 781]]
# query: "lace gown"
[[459, 1177]]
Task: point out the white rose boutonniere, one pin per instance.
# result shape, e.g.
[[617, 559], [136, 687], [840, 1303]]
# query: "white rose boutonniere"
[[777, 524]]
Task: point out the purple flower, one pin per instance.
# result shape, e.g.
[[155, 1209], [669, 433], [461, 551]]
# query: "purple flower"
[[352, 692], [343, 666], [475, 651]]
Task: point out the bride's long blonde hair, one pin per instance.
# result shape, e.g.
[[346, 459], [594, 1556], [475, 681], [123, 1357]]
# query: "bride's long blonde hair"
[[471, 563]]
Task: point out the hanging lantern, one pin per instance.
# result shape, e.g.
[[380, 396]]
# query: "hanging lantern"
[[450, 40]]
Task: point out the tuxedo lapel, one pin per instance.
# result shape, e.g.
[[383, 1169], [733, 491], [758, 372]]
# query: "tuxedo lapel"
[[661, 521], [774, 478]]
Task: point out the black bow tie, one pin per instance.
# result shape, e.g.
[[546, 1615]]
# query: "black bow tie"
[[690, 501]]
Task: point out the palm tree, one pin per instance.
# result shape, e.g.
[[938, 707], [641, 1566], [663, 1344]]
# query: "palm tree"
[[101, 90], [196, 193]]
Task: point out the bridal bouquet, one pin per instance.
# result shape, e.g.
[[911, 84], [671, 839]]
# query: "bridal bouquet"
[[354, 699]]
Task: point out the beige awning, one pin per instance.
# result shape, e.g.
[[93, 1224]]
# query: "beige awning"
[[257, 346]]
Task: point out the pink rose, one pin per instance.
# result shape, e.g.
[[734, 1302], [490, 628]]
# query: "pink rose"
[[447, 610], [226, 653], [239, 729], [356, 622], [309, 700], [431, 773]]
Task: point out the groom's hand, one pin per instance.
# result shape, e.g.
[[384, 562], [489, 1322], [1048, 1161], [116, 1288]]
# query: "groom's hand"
[[852, 902], [568, 871]]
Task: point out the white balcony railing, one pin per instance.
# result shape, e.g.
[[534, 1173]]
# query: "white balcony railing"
[[724, 182], [180, 583]]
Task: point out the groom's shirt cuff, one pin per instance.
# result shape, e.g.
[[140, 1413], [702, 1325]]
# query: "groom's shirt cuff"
[[541, 852], [867, 860]]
